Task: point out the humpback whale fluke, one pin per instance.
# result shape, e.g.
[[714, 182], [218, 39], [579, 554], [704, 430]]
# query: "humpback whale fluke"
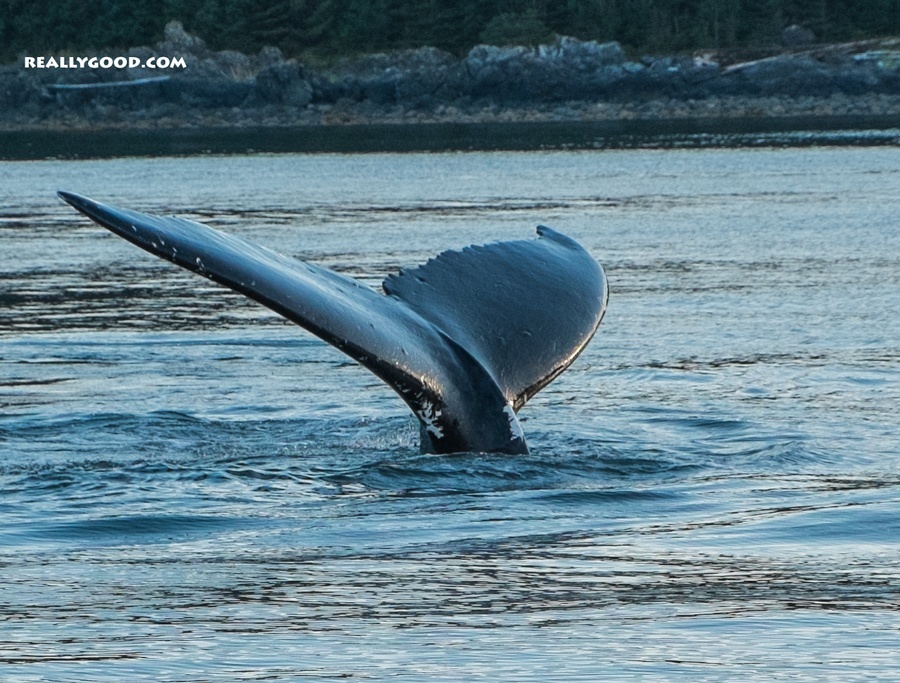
[[465, 339]]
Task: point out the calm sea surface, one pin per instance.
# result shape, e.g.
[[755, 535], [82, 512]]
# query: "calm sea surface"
[[192, 489]]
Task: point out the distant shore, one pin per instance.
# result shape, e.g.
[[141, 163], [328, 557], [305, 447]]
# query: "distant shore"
[[109, 118], [446, 136], [567, 81]]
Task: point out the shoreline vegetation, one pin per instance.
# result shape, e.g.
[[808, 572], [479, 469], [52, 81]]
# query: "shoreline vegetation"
[[565, 80], [319, 31]]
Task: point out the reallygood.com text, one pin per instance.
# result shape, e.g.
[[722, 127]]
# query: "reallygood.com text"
[[104, 63]]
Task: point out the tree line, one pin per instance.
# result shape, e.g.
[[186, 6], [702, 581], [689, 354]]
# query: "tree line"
[[331, 28]]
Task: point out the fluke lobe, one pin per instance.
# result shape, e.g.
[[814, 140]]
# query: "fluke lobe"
[[465, 339]]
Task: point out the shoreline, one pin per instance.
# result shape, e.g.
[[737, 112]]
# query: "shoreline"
[[565, 81], [454, 135], [110, 118]]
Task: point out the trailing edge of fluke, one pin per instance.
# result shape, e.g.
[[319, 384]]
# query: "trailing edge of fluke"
[[465, 339]]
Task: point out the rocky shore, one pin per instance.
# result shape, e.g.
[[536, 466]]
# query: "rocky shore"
[[568, 80]]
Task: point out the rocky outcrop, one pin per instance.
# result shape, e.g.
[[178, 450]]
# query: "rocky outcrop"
[[282, 83], [417, 78], [427, 79], [565, 70]]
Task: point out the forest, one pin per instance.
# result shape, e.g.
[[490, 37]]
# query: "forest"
[[328, 29]]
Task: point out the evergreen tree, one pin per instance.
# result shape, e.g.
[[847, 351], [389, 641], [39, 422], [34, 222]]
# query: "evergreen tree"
[[513, 28], [811, 14], [760, 22], [339, 27], [716, 24], [873, 17]]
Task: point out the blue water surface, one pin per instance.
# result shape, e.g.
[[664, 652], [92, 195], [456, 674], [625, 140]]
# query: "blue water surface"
[[192, 489]]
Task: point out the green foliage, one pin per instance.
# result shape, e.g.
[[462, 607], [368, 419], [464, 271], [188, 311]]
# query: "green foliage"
[[512, 28], [761, 22], [341, 27]]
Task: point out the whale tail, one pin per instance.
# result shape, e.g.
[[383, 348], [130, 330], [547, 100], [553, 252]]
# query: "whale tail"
[[465, 339]]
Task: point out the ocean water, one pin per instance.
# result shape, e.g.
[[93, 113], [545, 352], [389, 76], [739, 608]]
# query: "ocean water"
[[192, 489]]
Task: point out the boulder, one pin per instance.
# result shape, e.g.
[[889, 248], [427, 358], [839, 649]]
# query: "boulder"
[[582, 54], [283, 83], [566, 69], [410, 77], [205, 94], [234, 65], [177, 42], [17, 89], [792, 75]]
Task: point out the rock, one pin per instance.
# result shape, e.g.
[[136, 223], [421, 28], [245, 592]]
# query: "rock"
[[491, 56], [670, 65], [787, 75], [556, 80], [412, 77], [269, 56], [283, 84], [701, 70], [566, 69], [206, 94], [235, 65], [17, 89], [582, 54], [178, 42], [424, 60], [887, 60]]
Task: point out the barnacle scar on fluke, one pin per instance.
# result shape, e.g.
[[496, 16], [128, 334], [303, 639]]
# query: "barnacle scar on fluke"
[[465, 339]]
